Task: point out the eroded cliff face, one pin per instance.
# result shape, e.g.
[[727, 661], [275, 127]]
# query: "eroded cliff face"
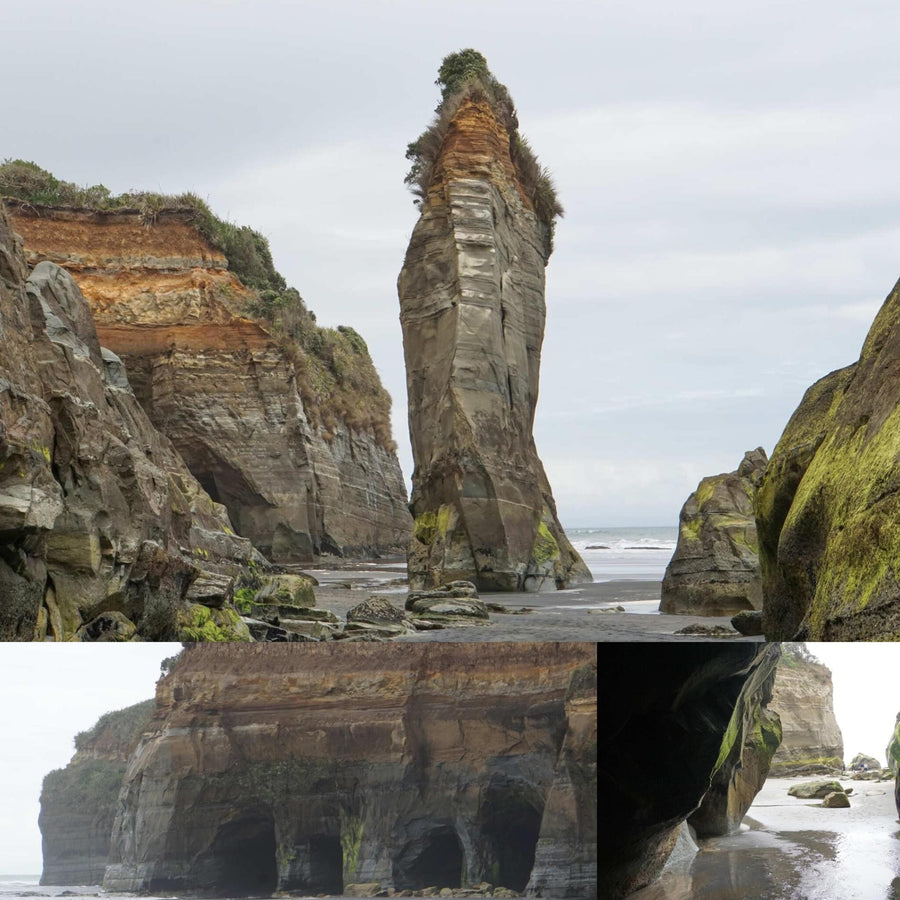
[[472, 310], [829, 503], [228, 392], [104, 533], [306, 768], [715, 568], [804, 699], [679, 723], [78, 803]]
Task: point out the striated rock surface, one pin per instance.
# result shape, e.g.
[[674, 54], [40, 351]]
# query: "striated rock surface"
[[308, 768], [672, 716], [753, 735], [715, 568], [804, 699], [103, 530], [78, 803], [828, 506], [283, 437], [893, 760], [472, 309]]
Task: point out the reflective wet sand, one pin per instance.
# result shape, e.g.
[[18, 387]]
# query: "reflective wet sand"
[[791, 849]]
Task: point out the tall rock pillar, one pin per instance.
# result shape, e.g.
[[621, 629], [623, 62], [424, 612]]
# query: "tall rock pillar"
[[472, 311]]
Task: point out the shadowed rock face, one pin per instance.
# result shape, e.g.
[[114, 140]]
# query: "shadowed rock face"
[[715, 567], [804, 699], [408, 766], [828, 506], [100, 520], [225, 390], [679, 722], [78, 803], [893, 760], [472, 310]]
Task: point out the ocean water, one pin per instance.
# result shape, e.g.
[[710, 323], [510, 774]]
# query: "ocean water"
[[625, 554]]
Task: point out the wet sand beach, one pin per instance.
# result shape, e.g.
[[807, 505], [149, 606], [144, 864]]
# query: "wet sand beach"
[[581, 613], [789, 848]]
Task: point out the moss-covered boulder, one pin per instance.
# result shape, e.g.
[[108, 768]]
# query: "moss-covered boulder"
[[715, 567], [815, 790], [893, 760], [828, 509]]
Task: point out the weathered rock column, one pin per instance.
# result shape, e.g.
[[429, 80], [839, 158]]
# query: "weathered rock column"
[[472, 310]]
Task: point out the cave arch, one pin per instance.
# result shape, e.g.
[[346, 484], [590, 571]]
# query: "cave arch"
[[434, 858], [241, 861], [510, 817], [326, 865]]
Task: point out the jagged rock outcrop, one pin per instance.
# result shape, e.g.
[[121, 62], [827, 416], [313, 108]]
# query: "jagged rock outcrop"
[[828, 505], [745, 756], [715, 568], [893, 760], [103, 530], [308, 768], [472, 309], [78, 803], [804, 699], [255, 417], [673, 716]]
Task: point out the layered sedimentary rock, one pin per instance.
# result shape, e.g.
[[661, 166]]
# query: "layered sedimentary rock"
[[828, 506], [715, 568], [472, 309], [103, 530], [239, 401], [674, 716], [309, 768], [804, 699], [78, 803]]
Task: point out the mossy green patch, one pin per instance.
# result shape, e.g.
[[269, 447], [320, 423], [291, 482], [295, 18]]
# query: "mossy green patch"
[[200, 623], [705, 491], [351, 840], [546, 549], [431, 525]]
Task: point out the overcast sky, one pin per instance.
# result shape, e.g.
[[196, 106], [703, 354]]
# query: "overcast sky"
[[728, 172], [49, 693]]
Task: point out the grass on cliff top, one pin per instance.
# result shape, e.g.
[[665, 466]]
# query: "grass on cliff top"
[[463, 75], [126, 724], [336, 377]]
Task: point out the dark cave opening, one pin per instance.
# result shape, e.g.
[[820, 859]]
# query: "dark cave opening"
[[326, 865], [511, 823], [208, 483], [433, 860], [241, 860]]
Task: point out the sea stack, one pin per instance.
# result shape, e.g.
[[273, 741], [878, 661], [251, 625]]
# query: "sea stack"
[[472, 310], [715, 568]]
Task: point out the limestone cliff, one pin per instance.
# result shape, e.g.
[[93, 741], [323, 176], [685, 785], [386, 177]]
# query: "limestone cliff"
[[305, 768], [290, 431], [78, 803], [678, 721], [104, 533], [804, 699], [828, 506], [715, 568], [472, 309]]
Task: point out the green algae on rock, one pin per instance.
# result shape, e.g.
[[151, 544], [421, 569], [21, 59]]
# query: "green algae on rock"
[[828, 508], [715, 567]]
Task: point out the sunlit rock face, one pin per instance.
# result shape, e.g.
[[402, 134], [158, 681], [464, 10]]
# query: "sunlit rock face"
[[307, 768], [102, 527], [804, 699], [679, 723], [472, 310], [715, 568], [78, 803], [236, 401]]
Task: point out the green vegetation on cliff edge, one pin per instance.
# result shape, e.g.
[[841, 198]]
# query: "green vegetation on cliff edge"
[[463, 75], [335, 374]]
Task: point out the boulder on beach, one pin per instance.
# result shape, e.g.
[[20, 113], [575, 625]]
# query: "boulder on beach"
[[836, 800], [861, 762], [815, 790]]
